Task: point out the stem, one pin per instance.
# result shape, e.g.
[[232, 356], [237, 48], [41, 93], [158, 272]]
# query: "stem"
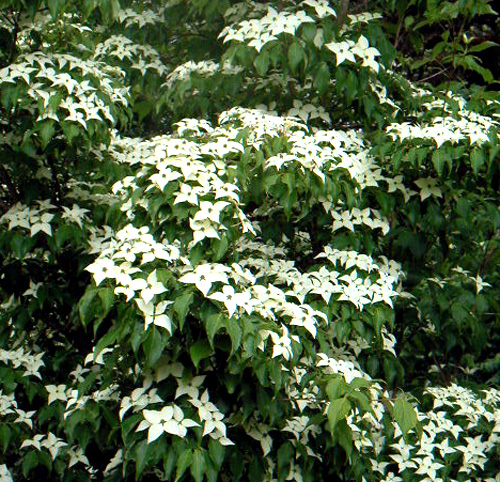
[[57, 195], [13, 191], [15, 34]]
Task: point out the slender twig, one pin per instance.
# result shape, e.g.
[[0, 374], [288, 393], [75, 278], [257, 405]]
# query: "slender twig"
[[15, 34], [442, 71], [13, 191], [57, 194]]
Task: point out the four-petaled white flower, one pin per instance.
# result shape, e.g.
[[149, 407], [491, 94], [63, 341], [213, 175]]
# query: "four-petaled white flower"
[[149, 287], [103, 268], [231, 299], [204, 275], [209, 414], [169, 419], [342, 50], [155, 314], [59, 392], [428, 187]]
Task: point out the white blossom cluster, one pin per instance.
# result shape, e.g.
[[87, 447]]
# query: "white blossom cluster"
[[349, 50], [171, 418], [451, 427], [31, 218], [141, 57], [257, 33], [38, 218], [132, 18], [204, 68], [31, 363], [308, 112], [356, 217], [261, 124], [451, 122], [82, 82]]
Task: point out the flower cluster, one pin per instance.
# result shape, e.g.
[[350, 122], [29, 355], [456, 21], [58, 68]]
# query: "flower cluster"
[[349, 50], [257, 33], [204, 68], [132, 18], [141, 57], [47, 75]]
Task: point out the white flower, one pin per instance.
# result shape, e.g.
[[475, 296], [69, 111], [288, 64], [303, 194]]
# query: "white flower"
[[169, 419], [210, 211], [24, 417], [34, 442], [210, 415], [155, 314], [231, 299], [162, 178], [53, 444], [59, 392], [151, 287], [342, 50], [41, 224], [76, 214], [428, 187], [5, 475], [77, 455], [282, 345], [428, 467], [190, 388], [480, 284], [103, 268], [204, 275]]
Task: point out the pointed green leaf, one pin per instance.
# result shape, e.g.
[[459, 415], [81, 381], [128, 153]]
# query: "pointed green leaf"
[[337, 410], [405, 415], [295, 56], [197, 468], [181, 307], [199, 351]]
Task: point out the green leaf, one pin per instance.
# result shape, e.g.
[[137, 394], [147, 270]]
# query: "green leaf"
[[321, 77], [295, 56], [5, 435], [261, 62], [21, 245], [405, 415], [308, 31], [336, 387], [197, 468], [285, 455], [472, 63], [438, 160], [477, 160], [234, 329], [199, 351], [337, 410], [181, 307], [141, 458], [483, 46], [106, 295], [216, 452], [46, 131], [213, 324], [154, 345], [143, 108], [108, 339], [85, 306], [220, 248], [30, 461], [183, 462]]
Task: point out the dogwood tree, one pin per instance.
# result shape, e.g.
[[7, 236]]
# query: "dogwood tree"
[[247, 241]]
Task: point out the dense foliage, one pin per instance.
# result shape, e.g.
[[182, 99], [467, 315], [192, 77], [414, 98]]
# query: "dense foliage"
[[249, 241]]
